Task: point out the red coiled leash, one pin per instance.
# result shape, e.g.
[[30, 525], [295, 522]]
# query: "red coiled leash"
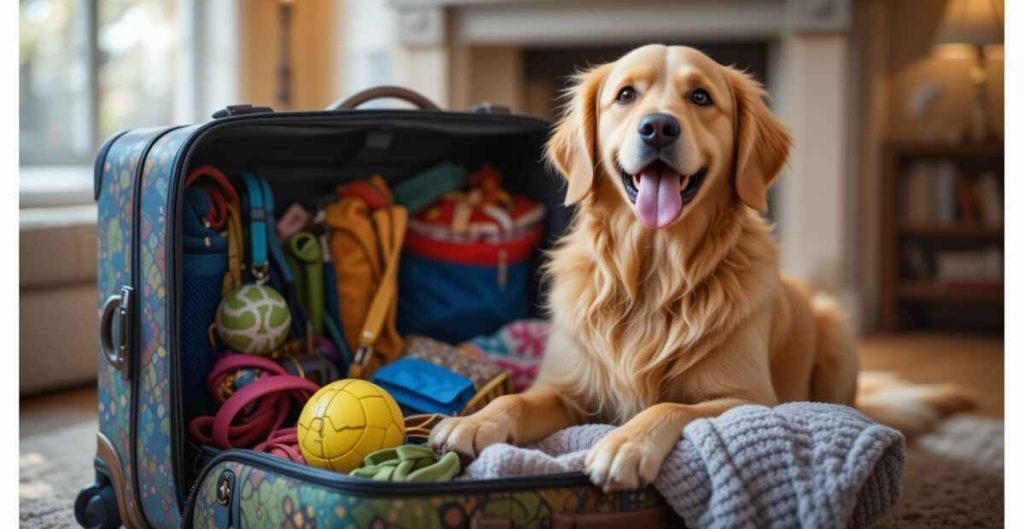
[[255, 412]]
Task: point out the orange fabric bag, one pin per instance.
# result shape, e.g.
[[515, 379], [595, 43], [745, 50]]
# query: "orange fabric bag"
[[366, 235]]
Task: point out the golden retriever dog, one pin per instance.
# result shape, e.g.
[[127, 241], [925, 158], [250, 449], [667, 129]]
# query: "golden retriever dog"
[[666, 300]]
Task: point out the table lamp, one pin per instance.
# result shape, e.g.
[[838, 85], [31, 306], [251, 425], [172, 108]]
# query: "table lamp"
[[967, 27]]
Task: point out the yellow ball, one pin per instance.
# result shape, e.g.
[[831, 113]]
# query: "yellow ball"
[[347, 420]]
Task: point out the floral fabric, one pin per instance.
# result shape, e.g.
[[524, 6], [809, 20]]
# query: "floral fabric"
[[516, 348]]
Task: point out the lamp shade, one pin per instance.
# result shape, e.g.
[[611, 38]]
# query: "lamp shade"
[[971, 22]]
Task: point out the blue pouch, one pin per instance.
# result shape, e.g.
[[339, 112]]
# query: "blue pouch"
[[422, 387]]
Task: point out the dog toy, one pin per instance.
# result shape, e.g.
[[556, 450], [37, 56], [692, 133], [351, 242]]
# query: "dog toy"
[[254, 319], [409, 463], [347, 420]]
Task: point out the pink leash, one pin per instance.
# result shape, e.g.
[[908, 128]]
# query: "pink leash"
[[255, 412]]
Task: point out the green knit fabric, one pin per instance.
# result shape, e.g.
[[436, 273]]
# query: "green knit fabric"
[[409, 463]]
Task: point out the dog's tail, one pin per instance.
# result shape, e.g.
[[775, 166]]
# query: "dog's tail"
[[913, 409]]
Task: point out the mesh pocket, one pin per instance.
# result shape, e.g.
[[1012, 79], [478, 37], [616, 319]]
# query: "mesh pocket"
[[202, 279]]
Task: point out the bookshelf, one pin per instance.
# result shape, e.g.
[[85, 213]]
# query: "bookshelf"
[[942, 236]]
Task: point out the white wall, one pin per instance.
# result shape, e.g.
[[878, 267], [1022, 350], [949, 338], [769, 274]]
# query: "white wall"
[[367, 41], [813, 103]]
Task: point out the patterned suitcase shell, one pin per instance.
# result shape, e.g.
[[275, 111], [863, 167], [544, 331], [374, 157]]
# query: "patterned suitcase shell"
[[254, 490], [145, 465]]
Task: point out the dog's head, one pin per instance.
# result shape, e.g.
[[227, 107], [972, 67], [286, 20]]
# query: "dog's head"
[[671, 128]]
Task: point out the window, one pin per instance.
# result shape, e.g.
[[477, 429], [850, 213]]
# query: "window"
[[91, 68], [52, 77], [140, 44]]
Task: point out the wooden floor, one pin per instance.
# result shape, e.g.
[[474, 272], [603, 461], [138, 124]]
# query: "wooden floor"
[[46, 413], [972, 361]]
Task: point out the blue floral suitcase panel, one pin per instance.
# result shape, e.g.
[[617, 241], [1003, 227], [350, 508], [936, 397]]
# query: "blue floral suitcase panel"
[[123, 167]]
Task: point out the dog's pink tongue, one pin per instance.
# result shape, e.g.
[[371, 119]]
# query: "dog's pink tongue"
[[658, 202]]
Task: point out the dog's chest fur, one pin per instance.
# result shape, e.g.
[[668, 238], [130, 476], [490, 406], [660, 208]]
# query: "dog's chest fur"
[[641, 308]]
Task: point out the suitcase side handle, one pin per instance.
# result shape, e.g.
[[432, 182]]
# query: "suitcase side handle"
[[380, 92], [115, 330]]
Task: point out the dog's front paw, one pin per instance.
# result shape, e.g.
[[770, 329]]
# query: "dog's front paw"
[[623, 461], [467, 436]]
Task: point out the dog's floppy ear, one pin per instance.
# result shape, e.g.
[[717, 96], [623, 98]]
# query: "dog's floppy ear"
[[762, 142], [572, 148]]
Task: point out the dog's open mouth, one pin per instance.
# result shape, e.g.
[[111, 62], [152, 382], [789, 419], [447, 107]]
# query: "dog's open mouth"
[[659, 192]]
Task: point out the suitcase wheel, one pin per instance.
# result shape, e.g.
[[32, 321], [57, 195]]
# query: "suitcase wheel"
[[96, 507]]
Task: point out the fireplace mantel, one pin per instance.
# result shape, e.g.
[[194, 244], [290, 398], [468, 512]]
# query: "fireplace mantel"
[[551, 22], [458, 52]]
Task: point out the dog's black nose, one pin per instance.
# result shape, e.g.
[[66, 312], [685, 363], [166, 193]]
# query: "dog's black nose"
[[658, 130]]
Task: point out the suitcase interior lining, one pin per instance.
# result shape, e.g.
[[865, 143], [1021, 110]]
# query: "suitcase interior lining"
[[304, 162]]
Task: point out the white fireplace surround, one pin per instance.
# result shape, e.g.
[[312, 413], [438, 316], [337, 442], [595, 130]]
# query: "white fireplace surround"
[[458, 52]]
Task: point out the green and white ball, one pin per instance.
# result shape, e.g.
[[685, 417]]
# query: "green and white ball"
[[253, 319]]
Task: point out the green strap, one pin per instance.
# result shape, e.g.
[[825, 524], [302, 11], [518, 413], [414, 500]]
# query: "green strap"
[[423, 189], [305, 257], [409, 463]]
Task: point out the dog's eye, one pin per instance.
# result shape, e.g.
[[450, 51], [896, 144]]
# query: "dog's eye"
[[700, 97], [626, 96]]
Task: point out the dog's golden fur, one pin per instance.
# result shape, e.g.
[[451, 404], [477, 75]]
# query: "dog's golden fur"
[[652, 329]]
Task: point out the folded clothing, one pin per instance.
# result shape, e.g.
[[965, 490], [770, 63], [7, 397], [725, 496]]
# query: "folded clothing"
[[467, 362], [798, 464]]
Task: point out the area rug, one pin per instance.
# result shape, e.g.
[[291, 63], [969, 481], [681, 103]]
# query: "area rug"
[[53, 467], [953, 476]]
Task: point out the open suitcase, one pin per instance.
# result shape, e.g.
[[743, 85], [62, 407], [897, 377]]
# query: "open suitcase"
[[148, 472]]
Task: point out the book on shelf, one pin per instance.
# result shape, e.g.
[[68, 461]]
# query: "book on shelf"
[[918, 203], [982, 266], [917, 261], [942, 185], [966, 203], [939, 193], [989, 198]]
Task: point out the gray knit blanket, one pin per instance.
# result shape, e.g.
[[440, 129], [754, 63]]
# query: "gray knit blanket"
[[800, 464]]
